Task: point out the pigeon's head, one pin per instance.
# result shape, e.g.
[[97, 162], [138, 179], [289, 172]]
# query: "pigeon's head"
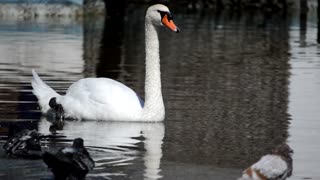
[[78, 143], [283, 150]]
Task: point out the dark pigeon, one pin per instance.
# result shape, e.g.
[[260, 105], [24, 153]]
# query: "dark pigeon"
[[25, 143], [71, 162]]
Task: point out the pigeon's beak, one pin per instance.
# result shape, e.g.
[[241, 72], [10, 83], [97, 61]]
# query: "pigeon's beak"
[[291, 152]]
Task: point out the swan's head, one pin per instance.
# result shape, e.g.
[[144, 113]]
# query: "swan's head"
[[160, 15]]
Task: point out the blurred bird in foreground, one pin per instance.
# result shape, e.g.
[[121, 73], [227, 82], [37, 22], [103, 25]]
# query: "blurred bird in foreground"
[[274, 166], [25, 143], [71, 162]]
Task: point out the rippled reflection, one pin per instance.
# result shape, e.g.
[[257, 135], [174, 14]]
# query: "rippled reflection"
[[118, 146], [235, 77]]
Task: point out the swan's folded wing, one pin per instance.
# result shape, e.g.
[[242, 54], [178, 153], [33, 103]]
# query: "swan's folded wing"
[[107, 91], [271, 166], [42, 91], [100, 98]]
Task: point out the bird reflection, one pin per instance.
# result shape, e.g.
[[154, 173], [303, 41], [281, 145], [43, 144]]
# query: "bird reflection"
[[118, 146], [55, 123], [112, 41], [54, 127]]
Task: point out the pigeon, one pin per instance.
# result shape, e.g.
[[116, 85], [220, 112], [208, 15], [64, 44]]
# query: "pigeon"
[[70, 162], [25, 143], [274, 166]]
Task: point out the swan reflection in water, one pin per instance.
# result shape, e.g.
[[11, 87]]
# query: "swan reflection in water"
[[118, 148]]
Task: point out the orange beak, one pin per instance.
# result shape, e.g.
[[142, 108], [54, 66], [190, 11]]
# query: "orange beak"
[[169, 23]]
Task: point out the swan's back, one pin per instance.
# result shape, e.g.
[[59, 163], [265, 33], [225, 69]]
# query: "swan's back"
[[101, 98]]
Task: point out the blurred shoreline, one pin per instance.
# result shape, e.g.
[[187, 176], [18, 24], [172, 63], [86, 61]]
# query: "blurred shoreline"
[[78, 8], [40, 10]]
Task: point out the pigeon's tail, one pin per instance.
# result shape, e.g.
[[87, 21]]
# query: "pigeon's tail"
[[246, 175], [60, 169], [50, 159]]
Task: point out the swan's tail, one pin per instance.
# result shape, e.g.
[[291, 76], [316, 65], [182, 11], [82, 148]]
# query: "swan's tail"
[[42, 91]]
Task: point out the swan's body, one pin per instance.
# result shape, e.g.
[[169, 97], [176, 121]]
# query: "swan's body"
[[106, 99]]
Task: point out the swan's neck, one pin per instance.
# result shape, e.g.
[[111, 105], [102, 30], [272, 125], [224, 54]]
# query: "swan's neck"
[[153, 108]]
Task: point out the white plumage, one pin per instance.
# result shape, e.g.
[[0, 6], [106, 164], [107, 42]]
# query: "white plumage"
[[107, 99], [275, 166], [270, 166], [42, 91]]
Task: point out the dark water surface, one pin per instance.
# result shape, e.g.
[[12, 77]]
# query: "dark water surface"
[[234, 87]]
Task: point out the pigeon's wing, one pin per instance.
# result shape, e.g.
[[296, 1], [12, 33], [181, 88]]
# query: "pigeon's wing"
[[54, 161], [83, 160], [271, 166], [14, 142], [90, 162], [10, 144], [65, 154]]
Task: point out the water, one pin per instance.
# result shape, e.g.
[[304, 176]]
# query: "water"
[[234, 87]]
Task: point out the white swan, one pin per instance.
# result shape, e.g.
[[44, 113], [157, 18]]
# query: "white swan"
[[106, 99]]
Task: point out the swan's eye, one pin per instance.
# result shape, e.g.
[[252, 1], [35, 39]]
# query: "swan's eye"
[[163, 13], [170, 17]]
